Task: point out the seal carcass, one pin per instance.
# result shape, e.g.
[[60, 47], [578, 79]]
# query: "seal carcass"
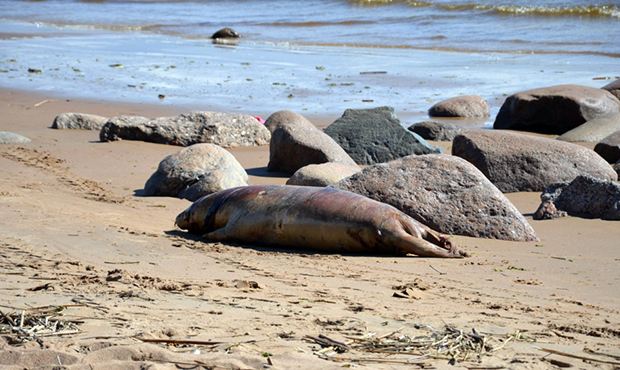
[[325, 219]]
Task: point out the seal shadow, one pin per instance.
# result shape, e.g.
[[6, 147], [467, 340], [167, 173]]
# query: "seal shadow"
[[263, 172], [282, 250]]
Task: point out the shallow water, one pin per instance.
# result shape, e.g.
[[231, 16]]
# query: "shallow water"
[[311, 56]]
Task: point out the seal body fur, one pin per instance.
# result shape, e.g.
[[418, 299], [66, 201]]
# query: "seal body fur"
[[325, 219]]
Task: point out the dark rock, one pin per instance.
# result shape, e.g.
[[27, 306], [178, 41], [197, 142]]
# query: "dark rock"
[[594, 130], [586, 197], [518, 162], [609, 147], [444, 192], [376, 135], [222, 129], [7, 137], [555, 109], [225, 33], [196, 171], [467, 106], [296, 142], [79, 121], [438, 131], [614, 88], [323, 174]]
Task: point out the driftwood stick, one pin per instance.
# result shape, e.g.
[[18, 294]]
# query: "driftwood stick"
[[182, 341], [585, 358]]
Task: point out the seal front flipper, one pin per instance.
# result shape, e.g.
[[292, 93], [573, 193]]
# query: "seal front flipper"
[[218, 235], [411, 245]]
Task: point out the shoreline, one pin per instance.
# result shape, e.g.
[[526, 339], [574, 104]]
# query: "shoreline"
[[70, 215]]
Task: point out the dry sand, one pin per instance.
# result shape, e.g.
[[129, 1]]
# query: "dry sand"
[[73, 233]]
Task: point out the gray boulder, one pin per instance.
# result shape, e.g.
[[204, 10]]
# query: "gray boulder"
[[613, 87], [223, 129], [586, 197], [438, 131], [79, 121], [518, 162], [444, 192], [376, 135], [609, 147], [323, 174], [7, 137], [466, 106], [555, 109], [616, 168], [594, 130], [286, 117], [196, 171], [296, 142]]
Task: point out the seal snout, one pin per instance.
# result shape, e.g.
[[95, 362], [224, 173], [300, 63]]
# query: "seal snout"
[[182, 220]]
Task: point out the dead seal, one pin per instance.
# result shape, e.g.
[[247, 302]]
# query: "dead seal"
[[325, 219]]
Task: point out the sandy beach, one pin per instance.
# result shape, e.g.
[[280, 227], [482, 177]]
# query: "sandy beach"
[[75, 234]]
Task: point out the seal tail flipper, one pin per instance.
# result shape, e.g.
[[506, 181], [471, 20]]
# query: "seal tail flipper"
[[411, 245]]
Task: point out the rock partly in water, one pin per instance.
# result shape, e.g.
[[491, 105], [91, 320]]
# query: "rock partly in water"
[[7, 137], [586, 197], [518, 162], [296, 143], [609, 147], [466, 106], [594, 130], [225, 33], [613, 88], [555, 109], [444, 192], [196, 171], [223, 129], [78, 121], [438, 131], [376, 135], [323, 174]]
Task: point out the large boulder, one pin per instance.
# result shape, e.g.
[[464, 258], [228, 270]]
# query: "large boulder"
[[614, 88], [555, 109], [7, 137], [376, 135], [323, 174], [609, 147], [594, 130], [466, 106], [286, 117], [438, 131], [518, 162], [223, 129], [196, 171], [444, 192], [296, 142], [79, 121], [585, 196]]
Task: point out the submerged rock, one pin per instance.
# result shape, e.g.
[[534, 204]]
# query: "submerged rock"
[[375, 135], [444, 192], [555, 109], [296, 142], [323, 174], [225, 33], [586, 197], [7, 137], [78, 121], [223, 129], [196, 171], [466, 106], [518, 162]]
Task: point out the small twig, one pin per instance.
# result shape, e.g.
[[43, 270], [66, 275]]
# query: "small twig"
[[585, 358], [440, 273], [187, 341], [122, 262], [41, 103]]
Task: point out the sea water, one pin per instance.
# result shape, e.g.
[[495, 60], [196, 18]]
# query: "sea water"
[[316, 57]]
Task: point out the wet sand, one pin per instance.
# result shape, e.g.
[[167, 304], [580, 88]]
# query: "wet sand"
[[73, 233]]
